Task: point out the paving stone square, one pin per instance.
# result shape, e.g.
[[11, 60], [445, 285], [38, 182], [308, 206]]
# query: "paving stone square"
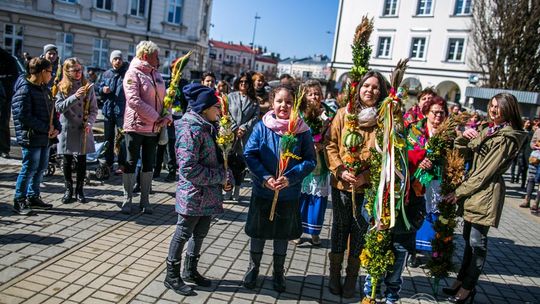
[[91, 253]]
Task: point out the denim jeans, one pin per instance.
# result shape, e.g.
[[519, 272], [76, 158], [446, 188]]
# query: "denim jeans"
[[474, 255], [392, 279], [280, 246], [34, 164], [192, 228]]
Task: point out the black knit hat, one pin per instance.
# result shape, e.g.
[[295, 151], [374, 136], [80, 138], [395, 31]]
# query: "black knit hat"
[[199, 97]]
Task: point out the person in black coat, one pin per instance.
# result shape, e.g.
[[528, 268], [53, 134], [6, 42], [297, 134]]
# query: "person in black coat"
[[35, 123], [112, 94], [8, 75]]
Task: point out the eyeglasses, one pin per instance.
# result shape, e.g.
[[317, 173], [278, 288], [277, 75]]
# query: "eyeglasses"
[[75, 71], [438, 113]]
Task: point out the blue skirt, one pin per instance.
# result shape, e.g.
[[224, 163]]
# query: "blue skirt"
[[312, 209], [426, 233]]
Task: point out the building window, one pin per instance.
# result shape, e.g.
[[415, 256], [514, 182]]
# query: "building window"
[[418, 48], [100, 53], [219, 56], [463, 7], [390, 8], [64, 42], [104, 4], [131, 52], [13, 39], [256, 67], [455, 50], [424, 8], [383, 50], [170, 56], [175, 11], [137, 8]]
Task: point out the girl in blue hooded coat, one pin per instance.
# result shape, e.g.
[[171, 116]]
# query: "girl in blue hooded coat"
[[262, 155]]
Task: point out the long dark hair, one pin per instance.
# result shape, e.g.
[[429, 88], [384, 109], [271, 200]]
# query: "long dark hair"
[[508, 106], [251, 90], [383, 88]]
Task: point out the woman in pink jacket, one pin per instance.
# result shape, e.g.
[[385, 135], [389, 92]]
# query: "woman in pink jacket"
[[143, 119]]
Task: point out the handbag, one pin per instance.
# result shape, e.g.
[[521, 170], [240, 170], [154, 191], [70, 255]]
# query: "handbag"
[[163, 138]]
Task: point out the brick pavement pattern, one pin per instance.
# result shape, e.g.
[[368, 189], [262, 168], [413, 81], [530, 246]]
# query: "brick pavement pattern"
[[91, 253]]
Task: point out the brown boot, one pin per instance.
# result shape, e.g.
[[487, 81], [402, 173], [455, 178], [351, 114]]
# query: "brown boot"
[[349, 286], [526, 202], [336, 259]]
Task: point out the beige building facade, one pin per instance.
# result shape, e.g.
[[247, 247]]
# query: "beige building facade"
[[91, 29]]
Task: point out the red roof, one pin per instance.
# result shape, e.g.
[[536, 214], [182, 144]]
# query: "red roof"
[[231, 46], [266, 59]]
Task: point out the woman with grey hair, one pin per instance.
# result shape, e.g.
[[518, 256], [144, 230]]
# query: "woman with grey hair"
[[143, 120]]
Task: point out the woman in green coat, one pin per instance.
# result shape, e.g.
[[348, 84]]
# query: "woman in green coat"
[[482, 193]]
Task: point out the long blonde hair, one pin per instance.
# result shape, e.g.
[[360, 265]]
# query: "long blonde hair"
[[66, 84]]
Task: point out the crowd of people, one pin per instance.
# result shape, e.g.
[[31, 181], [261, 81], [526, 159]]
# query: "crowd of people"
[[54, 103]]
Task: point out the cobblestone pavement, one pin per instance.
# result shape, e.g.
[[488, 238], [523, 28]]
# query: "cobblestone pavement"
[[91, 253]]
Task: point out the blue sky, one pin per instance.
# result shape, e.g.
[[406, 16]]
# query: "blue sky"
[[289, 27]]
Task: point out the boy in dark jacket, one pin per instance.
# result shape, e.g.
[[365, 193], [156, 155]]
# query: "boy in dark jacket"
[[35, 123]]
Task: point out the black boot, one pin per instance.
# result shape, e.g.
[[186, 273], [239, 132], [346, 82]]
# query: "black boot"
[[279, 273], [349, 286], [81, 175], [413, 261], [174, 281], [250, 278], [191, 274], [35, 202], [20, 207], [334, 284], [68, 181]]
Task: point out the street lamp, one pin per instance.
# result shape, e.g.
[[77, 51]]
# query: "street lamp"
[[257, 17]]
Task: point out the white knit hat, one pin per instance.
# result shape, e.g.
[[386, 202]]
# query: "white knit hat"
[[115, 54]]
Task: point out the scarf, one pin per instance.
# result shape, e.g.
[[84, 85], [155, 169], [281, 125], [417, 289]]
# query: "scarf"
[[367, 117], [494, 128], [281, 126]]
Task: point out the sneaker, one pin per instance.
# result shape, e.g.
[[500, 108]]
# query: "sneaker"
[[20, 206], [36, 203], [4, 155], [297, 241]]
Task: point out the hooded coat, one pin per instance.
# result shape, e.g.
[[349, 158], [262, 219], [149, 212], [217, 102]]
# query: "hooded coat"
[[483, 191], [145, 90], [201, 175]]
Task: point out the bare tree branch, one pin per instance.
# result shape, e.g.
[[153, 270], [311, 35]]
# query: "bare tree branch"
[[506, 43]]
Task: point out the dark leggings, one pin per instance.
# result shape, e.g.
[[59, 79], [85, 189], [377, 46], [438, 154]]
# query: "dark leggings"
[[344, 224], [134, 143], [190, 229], [474, 255]]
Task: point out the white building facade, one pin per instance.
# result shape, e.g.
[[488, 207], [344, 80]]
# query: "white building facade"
[[315, 67], [91, 29], [434, 34]]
